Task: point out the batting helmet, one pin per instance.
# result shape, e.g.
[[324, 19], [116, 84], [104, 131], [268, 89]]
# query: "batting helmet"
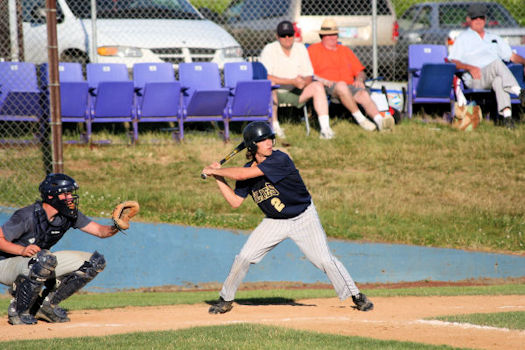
[[56, 184], [256, 132]]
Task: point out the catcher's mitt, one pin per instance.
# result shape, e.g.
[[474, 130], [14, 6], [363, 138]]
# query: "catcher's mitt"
[[123, 212]]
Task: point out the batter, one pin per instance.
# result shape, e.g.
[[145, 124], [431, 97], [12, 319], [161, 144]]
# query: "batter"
[[274, 183]]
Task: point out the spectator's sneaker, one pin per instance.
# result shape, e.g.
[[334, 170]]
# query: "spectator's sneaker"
[[327, 134], [367, 125], [362, 303], [221, 307], [279, 132], [387, 123], [509, 123]]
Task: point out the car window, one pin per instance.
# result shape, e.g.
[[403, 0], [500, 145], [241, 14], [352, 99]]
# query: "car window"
[[406, 20], [234, 9], [257, 9], [34, 11], [424, 19], [171, 9], [498, 16], [343, 8], [454, 16]]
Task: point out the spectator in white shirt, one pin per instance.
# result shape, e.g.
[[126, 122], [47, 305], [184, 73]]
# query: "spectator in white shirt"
[[481, 55], [289, 66]]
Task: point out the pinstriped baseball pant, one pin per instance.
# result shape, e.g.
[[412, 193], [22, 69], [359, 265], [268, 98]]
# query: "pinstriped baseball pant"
[[306, 231]]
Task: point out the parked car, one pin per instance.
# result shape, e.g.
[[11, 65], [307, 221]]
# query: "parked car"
[[128, 31], [441, 22], [253, 23]]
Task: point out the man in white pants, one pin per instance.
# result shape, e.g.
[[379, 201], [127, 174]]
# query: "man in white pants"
[[39, 280], [481, 54], [274, 183]]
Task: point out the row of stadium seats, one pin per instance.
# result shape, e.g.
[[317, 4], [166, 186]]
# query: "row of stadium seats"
[[108, 95]]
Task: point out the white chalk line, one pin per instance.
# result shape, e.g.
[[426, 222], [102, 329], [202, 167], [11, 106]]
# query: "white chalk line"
[[466, 326]]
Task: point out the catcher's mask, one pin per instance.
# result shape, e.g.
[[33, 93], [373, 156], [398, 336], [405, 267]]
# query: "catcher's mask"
[[55, 185], [256, 132]]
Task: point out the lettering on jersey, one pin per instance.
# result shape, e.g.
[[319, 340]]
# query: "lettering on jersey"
[[268, 191], [55, 232]]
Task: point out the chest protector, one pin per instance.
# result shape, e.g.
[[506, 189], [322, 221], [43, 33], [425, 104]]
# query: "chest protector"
[[47, 235]]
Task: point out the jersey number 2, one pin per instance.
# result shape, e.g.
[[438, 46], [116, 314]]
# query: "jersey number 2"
[[277, 204]]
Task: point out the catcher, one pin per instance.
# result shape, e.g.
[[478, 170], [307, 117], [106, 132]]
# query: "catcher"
[[39, 279]]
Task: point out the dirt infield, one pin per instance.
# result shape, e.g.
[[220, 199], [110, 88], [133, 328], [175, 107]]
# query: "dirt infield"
[[396, 318]]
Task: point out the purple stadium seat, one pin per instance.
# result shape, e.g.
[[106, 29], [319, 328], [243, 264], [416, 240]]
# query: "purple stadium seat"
[[203, 100], [249, 99], [429, 77], [19, 92], [158, 94], [112, 96]]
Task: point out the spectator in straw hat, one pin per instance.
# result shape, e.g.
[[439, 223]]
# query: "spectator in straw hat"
[[481, 55], [342, 74], [289, 66]]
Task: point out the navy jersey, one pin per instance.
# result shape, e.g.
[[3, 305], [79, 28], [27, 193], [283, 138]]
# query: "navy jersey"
[[280, 193], [26, 227]]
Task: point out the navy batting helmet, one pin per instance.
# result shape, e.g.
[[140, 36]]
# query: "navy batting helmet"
[[56, 184], [256, 132]]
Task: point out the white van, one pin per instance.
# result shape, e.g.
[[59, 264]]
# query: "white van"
[[128, 31]]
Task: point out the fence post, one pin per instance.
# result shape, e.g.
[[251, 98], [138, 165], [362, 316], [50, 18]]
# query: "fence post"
[[374, 39], [54, 86]]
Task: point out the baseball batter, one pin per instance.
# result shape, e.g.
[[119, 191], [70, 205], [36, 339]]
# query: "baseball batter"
[[39, 279], [274, 183]]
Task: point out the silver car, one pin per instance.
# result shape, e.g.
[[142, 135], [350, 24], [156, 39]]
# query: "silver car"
[[440, 23], [253, 23]]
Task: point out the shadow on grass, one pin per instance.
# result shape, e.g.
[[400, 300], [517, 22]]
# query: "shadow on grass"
[[264, 301]]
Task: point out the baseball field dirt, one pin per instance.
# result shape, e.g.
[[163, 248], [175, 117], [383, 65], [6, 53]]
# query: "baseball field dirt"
[[394, 318]]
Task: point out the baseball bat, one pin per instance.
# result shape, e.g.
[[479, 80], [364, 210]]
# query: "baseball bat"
[[236, 150]]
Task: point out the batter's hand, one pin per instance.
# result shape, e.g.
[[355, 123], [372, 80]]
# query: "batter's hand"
[[30, 250], [209, 169]]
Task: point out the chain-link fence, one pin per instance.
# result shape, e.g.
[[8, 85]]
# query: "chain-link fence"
[[132, 31]]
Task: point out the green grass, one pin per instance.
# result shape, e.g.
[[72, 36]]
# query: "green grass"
[[424, 184], [510, 320], [240, 336]]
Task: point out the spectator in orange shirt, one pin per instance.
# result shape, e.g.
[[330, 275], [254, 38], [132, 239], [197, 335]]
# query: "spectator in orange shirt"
[[343, 76]]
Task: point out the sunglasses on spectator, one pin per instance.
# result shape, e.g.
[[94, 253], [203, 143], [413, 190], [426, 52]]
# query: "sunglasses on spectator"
[[286, 35], [480, 17]]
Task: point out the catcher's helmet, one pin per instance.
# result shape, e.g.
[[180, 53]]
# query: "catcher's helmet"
[[55, 184], [256, 132]]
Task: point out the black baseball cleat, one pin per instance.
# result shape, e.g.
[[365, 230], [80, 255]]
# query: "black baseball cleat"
[[18, 318], [221, 307], [362, 303], [52, 314]]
